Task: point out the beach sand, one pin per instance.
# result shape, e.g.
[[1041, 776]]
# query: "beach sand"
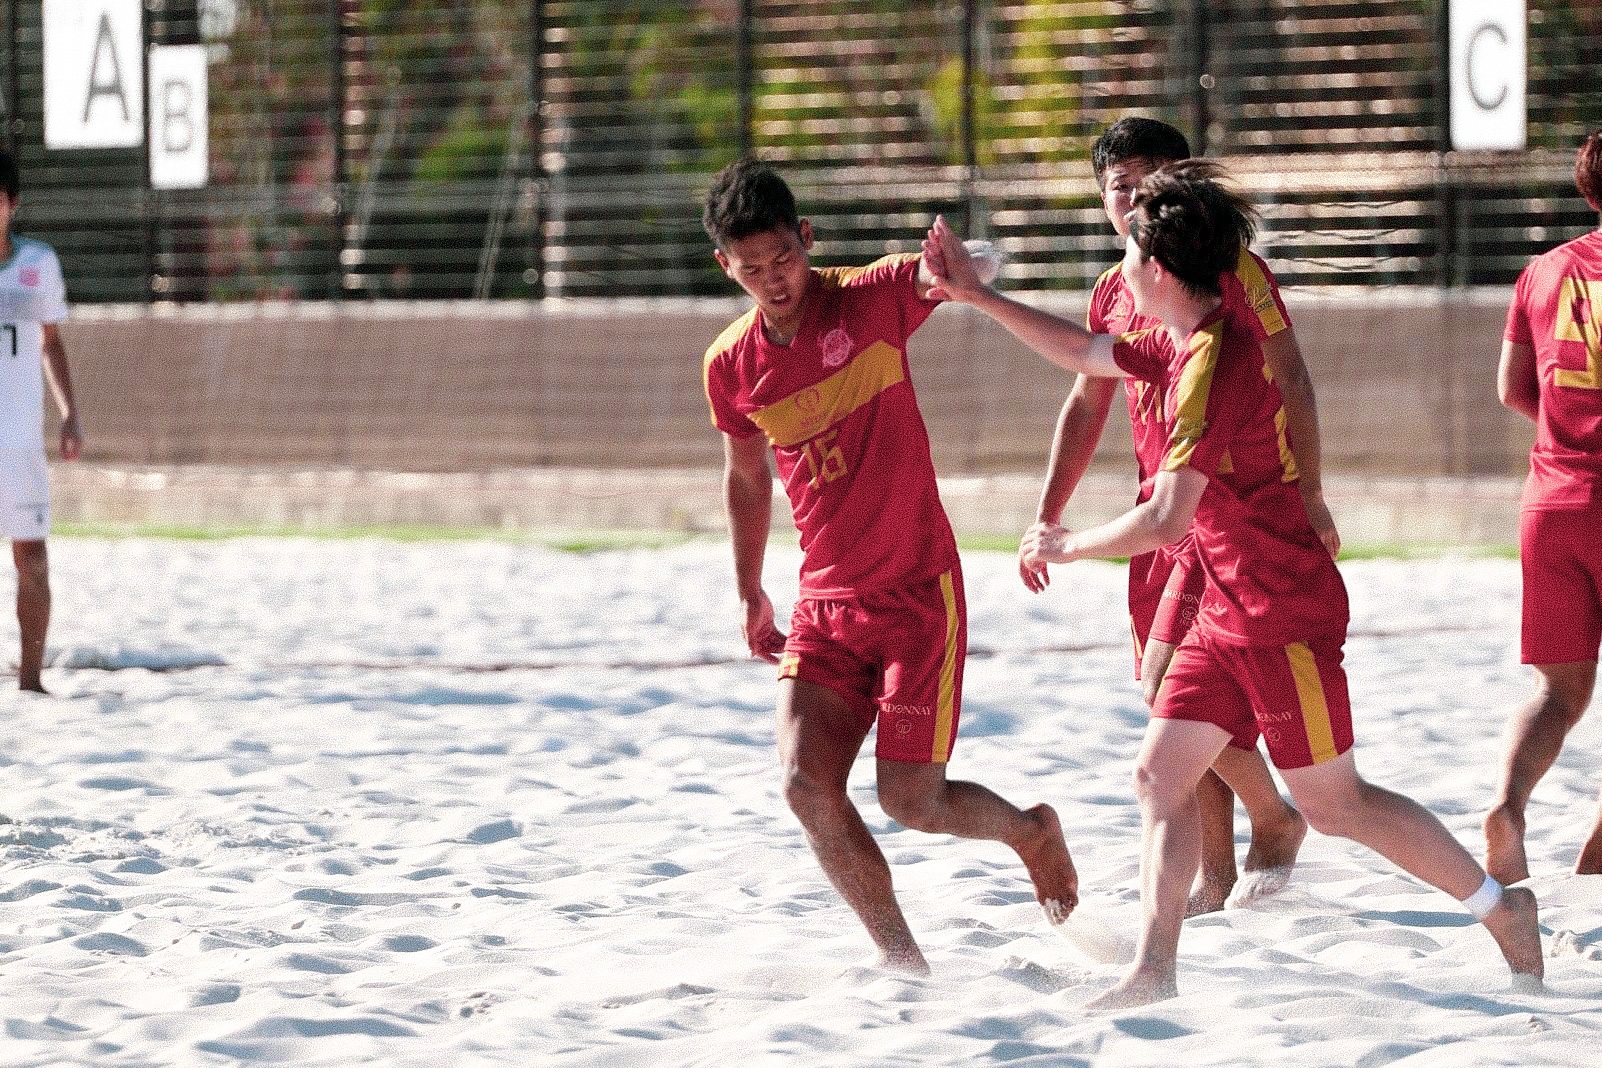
[[483, 803]]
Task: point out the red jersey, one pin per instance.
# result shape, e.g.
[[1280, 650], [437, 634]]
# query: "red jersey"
[[1250, 294], [1557, 312], [837, 406], [1269, 579]]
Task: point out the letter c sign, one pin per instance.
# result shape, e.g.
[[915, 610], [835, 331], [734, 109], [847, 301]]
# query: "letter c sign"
[[1488, 72]]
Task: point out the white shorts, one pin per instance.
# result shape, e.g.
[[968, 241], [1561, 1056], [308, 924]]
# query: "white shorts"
[[24, 495]]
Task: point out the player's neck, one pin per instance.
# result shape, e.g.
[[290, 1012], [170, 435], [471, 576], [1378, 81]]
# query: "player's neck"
[[1186, 313], [7, 246]]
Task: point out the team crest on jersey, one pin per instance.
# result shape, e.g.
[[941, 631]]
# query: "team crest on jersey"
[[29, 276], [835, 347]]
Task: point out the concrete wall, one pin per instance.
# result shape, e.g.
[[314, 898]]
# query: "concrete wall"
[[1405, 380]]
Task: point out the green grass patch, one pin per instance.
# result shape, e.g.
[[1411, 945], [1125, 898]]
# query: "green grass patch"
[[576, 541]]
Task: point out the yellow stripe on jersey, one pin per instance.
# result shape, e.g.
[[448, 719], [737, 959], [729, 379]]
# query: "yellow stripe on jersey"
[[1288, 471], [1259, 294], [803, 416], [1195, 387], [1310, 693], [946, 709], [840, 277], [732, 333], [1571, 327]]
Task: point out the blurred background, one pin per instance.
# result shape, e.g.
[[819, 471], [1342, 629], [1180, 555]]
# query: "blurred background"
[[461, 238]]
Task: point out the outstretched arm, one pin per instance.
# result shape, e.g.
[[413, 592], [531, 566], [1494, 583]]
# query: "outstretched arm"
[[748, 502], [60, 377], [1161, 520], [1284, 358], [1062, 341], [1518, 385], [1079, 427]]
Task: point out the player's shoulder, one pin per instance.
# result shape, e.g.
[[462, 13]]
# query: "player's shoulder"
[[33, 250], [882, 270], [1109, 280], [731, 336]]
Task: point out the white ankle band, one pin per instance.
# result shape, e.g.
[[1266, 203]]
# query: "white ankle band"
[[1482, 901]]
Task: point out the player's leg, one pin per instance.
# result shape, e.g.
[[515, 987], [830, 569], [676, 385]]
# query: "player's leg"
[[819, 735], [1172, 759], [1277, 828], [1589, 861], [1534, 738], [1336, 801], [33, 609], [921, 636]]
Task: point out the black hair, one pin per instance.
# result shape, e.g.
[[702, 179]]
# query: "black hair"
[[1137, 138], [10, 176], [1187, 217], [1588, 170], [748, 197]]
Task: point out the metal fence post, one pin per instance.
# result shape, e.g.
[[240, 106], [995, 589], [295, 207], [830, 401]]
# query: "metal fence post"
[[147, 189], [966, 127], [1196, 68], [1445, 193], [337, 108], [535, 258], [745, 76], [13, 79]]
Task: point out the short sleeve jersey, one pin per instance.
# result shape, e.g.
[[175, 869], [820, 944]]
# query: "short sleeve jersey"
[[1557, 312], [1269, 579], [838, 408], [1250, 294], [32, 294]]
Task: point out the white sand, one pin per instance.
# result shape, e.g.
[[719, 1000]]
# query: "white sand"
[[416, 813]]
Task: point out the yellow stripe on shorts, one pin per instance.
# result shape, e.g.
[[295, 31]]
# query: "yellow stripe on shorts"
[[945, 711], [1310, 692]]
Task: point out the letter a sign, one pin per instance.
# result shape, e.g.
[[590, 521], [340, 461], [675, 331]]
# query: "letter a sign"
[[94, 74]]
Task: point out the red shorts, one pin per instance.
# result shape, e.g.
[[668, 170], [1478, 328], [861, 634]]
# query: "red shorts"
[[895, 655], [1165, 590], [1294, 696], [1561, 551]]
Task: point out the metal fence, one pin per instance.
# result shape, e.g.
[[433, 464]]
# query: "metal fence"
[[477, 148]]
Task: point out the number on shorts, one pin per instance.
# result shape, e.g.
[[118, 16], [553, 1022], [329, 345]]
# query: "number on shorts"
[[11, 328], [1580, 319]]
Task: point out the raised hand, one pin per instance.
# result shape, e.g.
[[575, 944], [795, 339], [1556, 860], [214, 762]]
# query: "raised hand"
[[1043, 543]]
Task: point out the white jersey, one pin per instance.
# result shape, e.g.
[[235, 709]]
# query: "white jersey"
[[32, 294]]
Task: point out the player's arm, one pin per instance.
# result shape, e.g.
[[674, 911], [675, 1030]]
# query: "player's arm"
[[1062, 341], [1073, 445], [1162, 520], [60, 378], [1518, 385], [748, 502], [1284, 358]]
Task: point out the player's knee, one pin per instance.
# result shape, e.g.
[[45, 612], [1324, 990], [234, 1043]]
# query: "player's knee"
[[910, 806], [1148, 690], [1328, 815], [1157, 792], [33, 563], [811, 798]]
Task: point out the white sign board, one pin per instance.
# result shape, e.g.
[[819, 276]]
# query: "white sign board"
[[93, 74], [178, 117], [1487, 42]]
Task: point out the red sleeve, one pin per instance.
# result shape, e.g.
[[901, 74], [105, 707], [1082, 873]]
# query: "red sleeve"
[[719, 395], [1144, 354], [1518, 317], [1096, 313], [896, 275], [1216, 393]]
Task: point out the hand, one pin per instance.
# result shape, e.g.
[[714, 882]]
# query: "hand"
[[1044, 543], [1323, 522], [71, 438], [950, 265], [762, 637], [1035, 577]]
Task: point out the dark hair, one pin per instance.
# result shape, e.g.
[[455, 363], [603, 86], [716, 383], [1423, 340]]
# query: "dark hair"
[[1187, 217], [1137, 138], [1588, 170], [748, 197], [10, 176]]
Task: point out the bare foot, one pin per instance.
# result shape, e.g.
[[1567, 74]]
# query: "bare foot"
[[1269, 862], [1051, 869], [1515, 924], [1139, 987], [1207, 896], [1504, 846], [1589, 862]]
